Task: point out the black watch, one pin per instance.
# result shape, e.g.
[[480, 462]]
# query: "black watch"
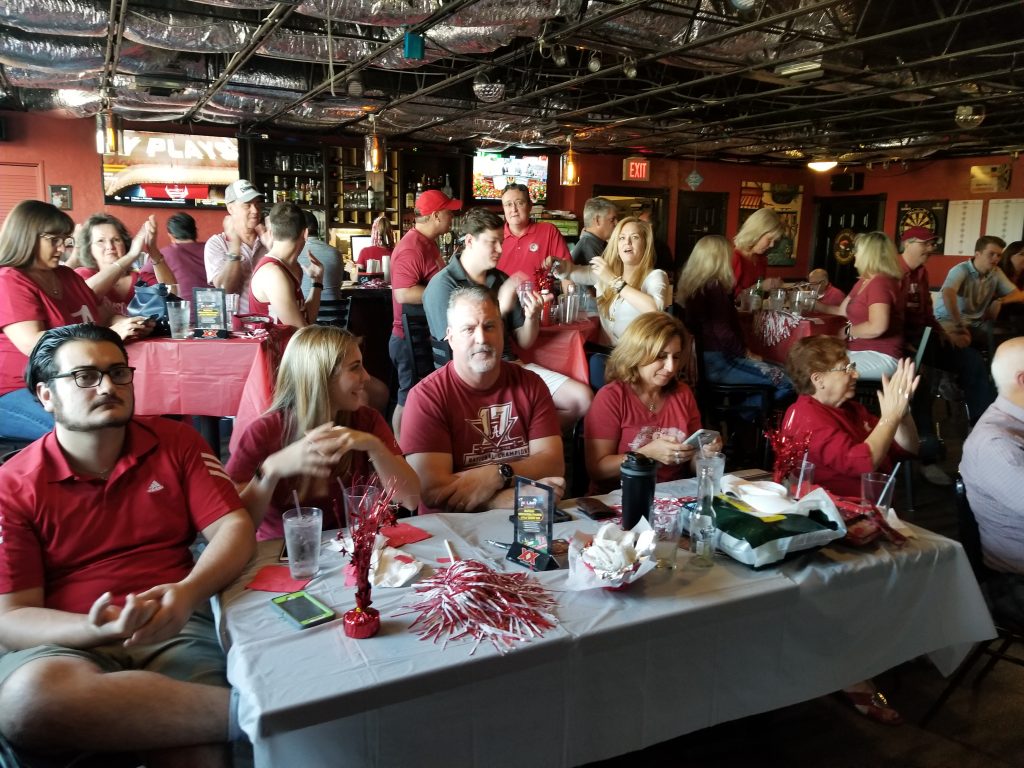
[[507, 473]]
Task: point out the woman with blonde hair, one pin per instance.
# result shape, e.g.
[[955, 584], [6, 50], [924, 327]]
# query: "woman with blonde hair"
[[873, 308], [317, 436], [705, 293], [644, 407], [758, 234], [624, 275], [39, 293]]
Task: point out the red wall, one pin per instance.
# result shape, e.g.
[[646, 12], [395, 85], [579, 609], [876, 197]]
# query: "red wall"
[[66, 151]]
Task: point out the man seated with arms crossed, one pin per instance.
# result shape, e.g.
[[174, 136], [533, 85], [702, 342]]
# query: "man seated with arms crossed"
[[477, 265], [993, 470], [474, 424], [276, 285], [104, 617], [232, 255]]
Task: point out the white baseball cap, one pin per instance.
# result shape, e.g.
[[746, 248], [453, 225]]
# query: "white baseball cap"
[[241, 191]]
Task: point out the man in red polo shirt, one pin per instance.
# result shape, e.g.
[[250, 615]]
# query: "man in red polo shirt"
[[527, 244], [107, 636], [414, 261]]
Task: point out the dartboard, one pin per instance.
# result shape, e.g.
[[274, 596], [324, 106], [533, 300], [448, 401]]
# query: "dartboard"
[[842, 246], [916, 217]]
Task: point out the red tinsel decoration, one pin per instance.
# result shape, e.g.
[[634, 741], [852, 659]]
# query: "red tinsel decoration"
[[364, 621], [542, 279], [789, 452], [468, 599]]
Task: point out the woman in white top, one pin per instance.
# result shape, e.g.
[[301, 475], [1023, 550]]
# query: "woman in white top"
[[626, 281]]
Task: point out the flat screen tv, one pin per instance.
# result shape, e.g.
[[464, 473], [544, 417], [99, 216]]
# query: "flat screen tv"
[[493, 171], [171, 170]]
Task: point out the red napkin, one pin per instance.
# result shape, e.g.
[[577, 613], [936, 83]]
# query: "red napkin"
[[276, 578], [403, 533]]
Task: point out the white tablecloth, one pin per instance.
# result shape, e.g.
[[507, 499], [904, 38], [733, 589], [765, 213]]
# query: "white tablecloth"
[[674, 653]]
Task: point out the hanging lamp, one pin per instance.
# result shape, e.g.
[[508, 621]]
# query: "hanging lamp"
[[570, 176], [375, 150], [109, 131]]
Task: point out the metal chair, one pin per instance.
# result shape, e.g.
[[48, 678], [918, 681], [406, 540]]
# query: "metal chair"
[[334, 312], [1007, 632], [428, 353]]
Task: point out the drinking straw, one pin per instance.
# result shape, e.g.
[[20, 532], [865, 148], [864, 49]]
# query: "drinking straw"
[[298, 506], [451, 552], [888, 484], [800, 480]]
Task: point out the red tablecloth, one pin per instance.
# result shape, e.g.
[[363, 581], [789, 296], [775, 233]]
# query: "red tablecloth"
[[812, 325], [560, 348], [202, 377]]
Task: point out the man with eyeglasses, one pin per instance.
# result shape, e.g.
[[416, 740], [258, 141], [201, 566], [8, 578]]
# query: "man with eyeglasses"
[[104, 617], [527, 244]]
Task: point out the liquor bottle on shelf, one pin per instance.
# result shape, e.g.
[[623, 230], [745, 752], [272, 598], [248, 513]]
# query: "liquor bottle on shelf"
[[371, 198], [410, 195], [447, 188]]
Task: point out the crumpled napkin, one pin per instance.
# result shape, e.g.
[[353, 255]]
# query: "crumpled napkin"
[[612, 557], [389, 567], [765, 497]]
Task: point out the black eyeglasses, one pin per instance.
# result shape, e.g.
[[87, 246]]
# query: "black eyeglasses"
[[848, 368], [58, 241], [87, 378]]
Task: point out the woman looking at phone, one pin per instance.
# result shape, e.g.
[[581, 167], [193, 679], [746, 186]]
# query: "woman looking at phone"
[[644, 407], [316, 436]]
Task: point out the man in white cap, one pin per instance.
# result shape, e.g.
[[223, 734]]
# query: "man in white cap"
[[231, 256]]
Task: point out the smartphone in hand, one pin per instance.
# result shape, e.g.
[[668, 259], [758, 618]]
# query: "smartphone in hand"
[[705, 435]]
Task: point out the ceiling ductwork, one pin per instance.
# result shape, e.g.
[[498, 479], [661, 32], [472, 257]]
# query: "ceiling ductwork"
[[771, 82]]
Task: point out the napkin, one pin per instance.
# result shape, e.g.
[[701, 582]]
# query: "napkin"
[[403, 533], [611, 558], [765, 497], [389, 567], [276, 578]]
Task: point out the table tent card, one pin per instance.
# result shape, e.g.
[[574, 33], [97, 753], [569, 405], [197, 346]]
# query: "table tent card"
[[532, 521]]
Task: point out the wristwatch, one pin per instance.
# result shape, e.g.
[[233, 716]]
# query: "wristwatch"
[[507, 473], [618, 285], [234, 257], [318, 285]]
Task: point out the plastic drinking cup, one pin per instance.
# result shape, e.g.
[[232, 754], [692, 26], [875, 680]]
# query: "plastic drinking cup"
[[178, 313], [302, 528], [667, 525], [873, 489], [717, 463], [358, 499], [800, 481]]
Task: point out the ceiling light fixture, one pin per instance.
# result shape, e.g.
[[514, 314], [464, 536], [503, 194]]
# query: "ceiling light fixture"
[[355, 85], [804, 69], [594, 64], [109, 131], [559, 56], [970, 116], [487, 91], [375, 150], [822, 165], [570, 176], [629, 68]]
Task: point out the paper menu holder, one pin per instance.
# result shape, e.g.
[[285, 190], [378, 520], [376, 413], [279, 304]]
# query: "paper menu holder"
[[532, 521], [534, 559]]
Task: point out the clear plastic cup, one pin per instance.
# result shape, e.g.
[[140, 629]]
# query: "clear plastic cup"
[[302, 529]]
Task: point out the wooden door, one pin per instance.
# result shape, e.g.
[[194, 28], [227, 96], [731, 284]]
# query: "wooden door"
[[837, 221], [700, 214]]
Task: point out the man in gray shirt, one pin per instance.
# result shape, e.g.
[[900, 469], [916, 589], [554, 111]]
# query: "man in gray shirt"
[[599, 219], [993, 471], [327, 255]]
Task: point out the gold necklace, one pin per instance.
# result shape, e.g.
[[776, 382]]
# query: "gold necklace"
[[37, 278]]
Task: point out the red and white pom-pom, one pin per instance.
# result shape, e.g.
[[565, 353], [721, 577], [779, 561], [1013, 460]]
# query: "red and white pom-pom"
[[468, 599], [773, 326]]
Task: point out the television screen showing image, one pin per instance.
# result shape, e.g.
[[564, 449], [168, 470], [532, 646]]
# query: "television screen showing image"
[[492, 172], [170, 169]]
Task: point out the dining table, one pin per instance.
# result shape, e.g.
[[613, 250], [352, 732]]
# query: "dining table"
[[675, 652], [772, 333], [560, 347]]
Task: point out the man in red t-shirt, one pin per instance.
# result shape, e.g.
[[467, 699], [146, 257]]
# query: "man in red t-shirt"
[[527, 244], [414, 261], [104, 618], [478, 422]]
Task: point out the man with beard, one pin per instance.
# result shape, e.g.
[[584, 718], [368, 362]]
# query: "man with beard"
[[108, 639], [473, 425], [232, 255]]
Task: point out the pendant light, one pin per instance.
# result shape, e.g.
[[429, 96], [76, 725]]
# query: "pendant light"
[[109, 131], [375, 150], [570, 176]]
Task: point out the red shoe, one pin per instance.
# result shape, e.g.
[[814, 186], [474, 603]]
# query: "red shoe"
[[874, 706]]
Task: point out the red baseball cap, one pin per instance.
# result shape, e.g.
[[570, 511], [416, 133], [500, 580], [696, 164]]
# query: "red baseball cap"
[[919, 233], [434, 200]]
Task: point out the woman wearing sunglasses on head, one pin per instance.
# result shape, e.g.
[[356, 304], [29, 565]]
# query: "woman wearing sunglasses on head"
[[38, 293]]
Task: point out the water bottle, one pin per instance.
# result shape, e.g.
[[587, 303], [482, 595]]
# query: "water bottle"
[[638, 479], [703, 521]]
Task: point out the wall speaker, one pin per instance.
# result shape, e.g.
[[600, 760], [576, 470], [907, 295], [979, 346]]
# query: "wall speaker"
[[846, 182]]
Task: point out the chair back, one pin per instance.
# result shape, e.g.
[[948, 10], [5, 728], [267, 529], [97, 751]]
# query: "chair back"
[[417, 338], [334, 312], [967, 526], [919, 357]]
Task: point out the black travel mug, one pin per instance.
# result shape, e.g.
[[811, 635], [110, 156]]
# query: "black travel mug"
[[638, 478]]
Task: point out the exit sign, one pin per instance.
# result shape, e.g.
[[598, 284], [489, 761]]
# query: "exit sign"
[[636, 169]]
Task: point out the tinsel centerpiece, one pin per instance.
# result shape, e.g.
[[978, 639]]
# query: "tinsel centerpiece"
[[363, 621], [774, 326], [468, 599], [789, 452], [542, 279]]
